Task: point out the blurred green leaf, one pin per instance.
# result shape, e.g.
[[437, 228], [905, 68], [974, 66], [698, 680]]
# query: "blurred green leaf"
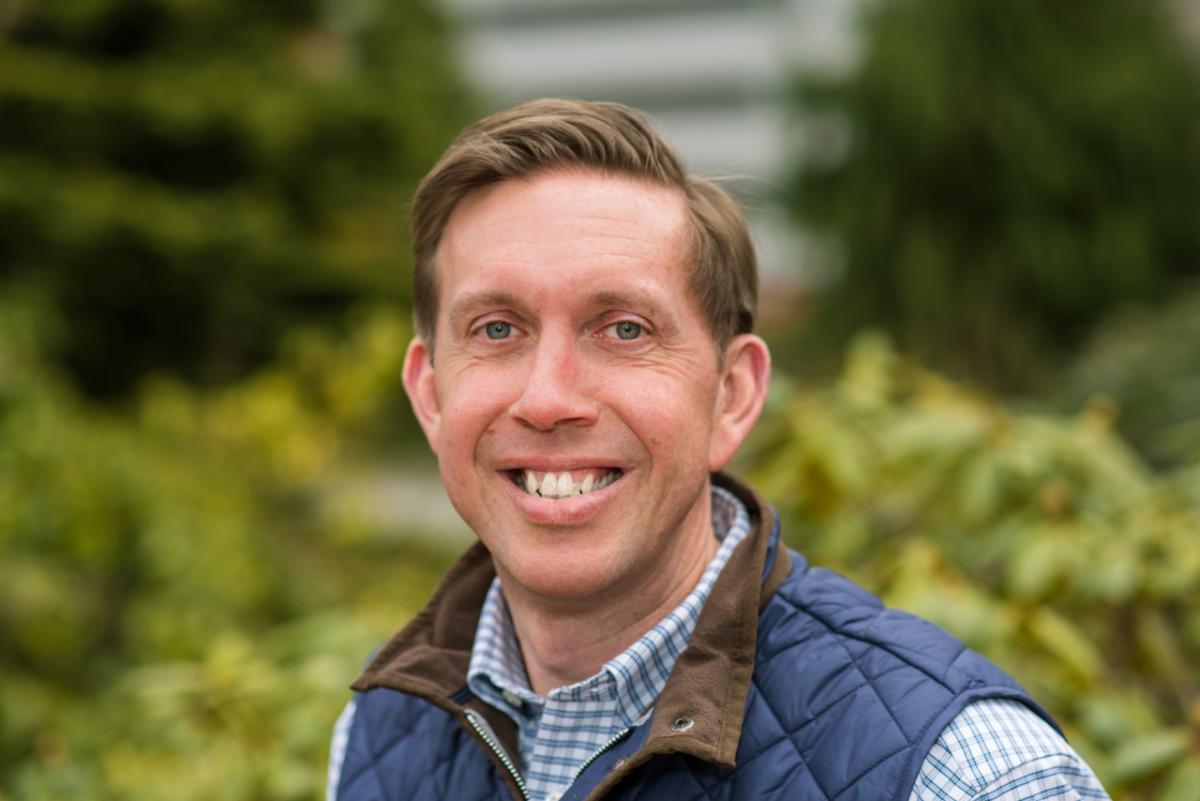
[[1146, 755], [1062, 638], [1183, 784]]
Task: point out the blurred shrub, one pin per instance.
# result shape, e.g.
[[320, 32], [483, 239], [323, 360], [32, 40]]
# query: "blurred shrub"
[[187, 180], [995, 177], [180, 614], [1148, 362], [1041, 541], [179, 617]]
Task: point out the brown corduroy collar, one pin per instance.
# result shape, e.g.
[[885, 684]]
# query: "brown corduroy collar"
[[708, 684]]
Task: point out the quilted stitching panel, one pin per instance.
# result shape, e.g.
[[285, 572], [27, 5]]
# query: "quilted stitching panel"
[[774, 775], [425, 755], [842, 720]]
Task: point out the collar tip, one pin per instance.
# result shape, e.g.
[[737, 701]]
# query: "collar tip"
[[727, 760]]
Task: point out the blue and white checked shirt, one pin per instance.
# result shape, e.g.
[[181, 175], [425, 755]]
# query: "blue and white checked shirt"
[[992, 751], [560, 732]]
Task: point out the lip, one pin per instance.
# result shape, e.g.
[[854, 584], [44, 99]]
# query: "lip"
[[558, 464], [561, 512]]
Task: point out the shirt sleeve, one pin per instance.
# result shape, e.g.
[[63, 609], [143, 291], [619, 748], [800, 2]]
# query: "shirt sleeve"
[[337, 749], [1000, 750]]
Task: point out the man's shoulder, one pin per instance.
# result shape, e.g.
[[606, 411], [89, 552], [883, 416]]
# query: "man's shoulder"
[[816, 606], [1000, 750], [874, 685]]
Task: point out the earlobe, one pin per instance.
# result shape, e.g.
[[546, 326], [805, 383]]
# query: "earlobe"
[[422, 391], [740, 397]]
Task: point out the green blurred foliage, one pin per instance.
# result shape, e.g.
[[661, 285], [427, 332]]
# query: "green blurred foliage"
[[992, 178], [181, 612], [1041, 541], [201, 212], [180, 615], [1147, 361], [187, 179], [201, 216]]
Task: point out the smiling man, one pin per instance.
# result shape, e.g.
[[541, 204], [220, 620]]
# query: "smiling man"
[[629, 625]]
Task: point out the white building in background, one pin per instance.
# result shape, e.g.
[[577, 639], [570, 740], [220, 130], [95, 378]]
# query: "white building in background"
[[714, 74]]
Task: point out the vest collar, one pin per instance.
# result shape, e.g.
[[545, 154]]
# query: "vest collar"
[[709, 684]]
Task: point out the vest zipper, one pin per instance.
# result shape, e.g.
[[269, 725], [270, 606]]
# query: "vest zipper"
[[499, 752], [612, 741]]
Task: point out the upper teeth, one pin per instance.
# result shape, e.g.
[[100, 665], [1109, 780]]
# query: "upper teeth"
[[561, 485]]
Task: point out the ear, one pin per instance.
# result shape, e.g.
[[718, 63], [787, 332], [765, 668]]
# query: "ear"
[[740, 396], [422, 392]]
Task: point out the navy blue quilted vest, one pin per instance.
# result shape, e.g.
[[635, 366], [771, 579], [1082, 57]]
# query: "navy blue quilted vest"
[[840, 698]]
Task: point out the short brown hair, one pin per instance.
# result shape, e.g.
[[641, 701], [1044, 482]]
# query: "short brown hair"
[[543, 135]]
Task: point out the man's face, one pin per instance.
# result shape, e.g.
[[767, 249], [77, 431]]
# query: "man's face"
[[576, 401]]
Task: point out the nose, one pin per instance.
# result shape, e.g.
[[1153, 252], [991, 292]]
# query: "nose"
[[555, 391]]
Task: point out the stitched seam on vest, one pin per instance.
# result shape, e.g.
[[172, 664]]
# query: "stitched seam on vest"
[[839, 633], [786, 736], [870, 684], [908, 743], [364, 776], [377, 755], [348, 781], [768, 748], [363, 730], [702, 792], [819, 712], [369, 771], [887, 648]]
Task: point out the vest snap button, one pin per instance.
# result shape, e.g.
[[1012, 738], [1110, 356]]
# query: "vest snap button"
[[682, 724]]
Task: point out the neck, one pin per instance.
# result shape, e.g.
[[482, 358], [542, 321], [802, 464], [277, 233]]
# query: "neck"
[[565, 644]]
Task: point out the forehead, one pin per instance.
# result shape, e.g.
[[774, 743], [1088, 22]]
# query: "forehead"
[[577, 227]]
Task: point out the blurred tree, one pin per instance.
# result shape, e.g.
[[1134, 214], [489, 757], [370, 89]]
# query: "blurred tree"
[[993, 177], [185, 179], [1148, 362]]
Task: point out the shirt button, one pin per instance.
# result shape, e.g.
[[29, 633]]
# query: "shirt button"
[[512, 699], [554, 796]]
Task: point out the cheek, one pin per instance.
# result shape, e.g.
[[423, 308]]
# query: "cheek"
[[671, 417], [471, 405]]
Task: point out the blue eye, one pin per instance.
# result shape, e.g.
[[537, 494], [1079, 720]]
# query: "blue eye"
[[498, 330], [628, 330]]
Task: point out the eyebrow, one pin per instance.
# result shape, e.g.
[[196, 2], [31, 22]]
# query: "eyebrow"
[[472, 303], [617, 299], [469, 304], [634, 302]]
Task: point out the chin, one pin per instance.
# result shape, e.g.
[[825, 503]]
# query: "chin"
[[564, 575]]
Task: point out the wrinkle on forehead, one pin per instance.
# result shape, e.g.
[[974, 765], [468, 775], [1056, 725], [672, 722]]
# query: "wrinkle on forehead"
[[555, 195]]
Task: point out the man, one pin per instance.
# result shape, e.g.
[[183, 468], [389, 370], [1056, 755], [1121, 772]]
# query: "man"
[[629, 625]]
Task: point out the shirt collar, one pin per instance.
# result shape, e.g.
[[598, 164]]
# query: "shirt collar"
[[636, 676]]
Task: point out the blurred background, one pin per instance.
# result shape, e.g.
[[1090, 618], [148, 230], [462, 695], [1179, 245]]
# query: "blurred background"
[[978, 225]]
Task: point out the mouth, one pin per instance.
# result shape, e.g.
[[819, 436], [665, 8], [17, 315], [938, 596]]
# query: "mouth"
[[565, 484]]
